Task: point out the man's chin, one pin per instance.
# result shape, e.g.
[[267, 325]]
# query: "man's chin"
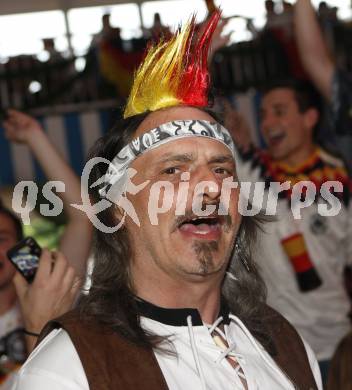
[[277, 154], [281, 151]]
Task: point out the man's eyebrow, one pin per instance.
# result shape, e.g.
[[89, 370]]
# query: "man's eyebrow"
[[279, 105], [223, 158], [276, 106], [185, 157]]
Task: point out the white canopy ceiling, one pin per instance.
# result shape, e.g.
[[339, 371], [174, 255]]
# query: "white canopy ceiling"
[[21, 6]]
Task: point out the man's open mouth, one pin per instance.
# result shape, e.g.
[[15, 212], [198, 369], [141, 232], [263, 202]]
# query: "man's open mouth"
[[202, 226], [275, 137]]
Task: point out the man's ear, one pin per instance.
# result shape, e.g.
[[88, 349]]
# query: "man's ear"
[[311, 118]]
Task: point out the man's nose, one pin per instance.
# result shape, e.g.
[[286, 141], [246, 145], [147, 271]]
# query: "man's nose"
[[267, 121], [206, 186]]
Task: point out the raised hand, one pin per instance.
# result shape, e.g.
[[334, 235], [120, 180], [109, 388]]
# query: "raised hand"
[[20, 127], [219, 40]]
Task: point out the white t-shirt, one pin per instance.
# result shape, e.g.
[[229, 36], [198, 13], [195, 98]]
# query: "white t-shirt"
[[55, 364], [319, 315]]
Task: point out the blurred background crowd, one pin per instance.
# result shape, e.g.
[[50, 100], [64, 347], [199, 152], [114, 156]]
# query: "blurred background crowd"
[[70, 69], [88, 54]]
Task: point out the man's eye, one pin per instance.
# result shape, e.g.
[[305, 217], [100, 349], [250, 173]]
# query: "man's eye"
[[222, 171], [171, 171]]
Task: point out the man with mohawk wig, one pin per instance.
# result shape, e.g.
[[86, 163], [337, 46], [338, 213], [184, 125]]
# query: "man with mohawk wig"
[[176, 301]]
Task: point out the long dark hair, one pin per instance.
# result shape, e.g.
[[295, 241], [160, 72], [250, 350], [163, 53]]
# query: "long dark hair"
[[15, 220], [111, 300]]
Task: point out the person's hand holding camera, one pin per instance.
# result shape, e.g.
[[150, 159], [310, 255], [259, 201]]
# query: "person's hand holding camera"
[[52, 293]]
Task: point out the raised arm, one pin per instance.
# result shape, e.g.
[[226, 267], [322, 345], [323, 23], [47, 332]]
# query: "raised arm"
[[312, 48], [76, 240], [219, 40], [238, 127]]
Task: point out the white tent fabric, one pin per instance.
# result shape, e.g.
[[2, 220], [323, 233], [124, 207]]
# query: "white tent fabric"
[[19, 6]]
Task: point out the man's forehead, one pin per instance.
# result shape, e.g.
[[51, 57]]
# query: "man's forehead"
[[279, 96], [157, 118], [188, 150]]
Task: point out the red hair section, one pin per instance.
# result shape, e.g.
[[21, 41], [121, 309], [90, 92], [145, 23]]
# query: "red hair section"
[[194, 84]]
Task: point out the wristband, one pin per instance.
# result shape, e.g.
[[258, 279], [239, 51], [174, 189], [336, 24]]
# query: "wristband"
[[28, 333]]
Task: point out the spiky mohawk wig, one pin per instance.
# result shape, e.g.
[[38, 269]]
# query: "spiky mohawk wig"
[[174, 72]]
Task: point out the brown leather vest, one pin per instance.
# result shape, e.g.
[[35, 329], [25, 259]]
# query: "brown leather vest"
[[112, 362]]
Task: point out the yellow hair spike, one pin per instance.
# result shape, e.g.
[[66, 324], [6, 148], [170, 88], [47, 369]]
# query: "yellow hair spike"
[[157, 80]]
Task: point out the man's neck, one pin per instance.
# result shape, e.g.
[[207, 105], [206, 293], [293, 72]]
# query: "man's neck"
[[201, 296], [8, 298]]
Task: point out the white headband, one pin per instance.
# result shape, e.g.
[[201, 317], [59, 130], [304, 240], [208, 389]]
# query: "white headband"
[[159, 136]]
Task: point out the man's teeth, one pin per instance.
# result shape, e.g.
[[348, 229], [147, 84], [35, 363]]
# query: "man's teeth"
[[202, 228], [200, 218], [276, 134]]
